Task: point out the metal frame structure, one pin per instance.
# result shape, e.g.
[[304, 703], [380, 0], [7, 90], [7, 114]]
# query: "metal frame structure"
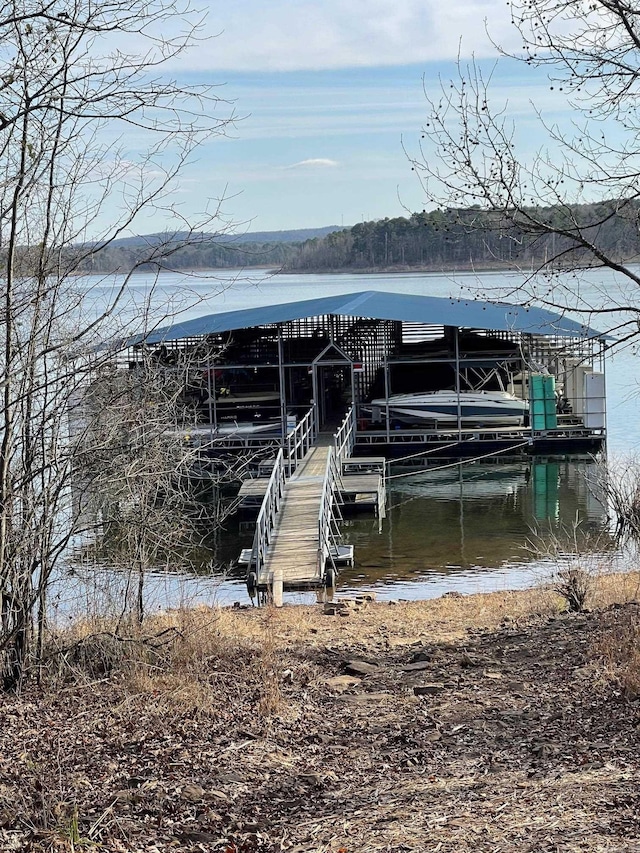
[[293, 357]]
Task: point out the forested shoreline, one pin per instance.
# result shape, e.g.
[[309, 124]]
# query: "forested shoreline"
[[475, 238], [440, 239]]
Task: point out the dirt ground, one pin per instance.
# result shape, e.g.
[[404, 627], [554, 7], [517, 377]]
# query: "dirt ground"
[[477, 723]]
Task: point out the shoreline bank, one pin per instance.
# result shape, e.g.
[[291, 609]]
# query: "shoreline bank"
[[490, 722]]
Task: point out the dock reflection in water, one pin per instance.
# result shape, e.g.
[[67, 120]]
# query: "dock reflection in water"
[[476, 526], [466, 528]]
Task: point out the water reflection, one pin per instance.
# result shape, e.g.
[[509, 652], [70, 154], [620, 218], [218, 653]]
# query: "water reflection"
[[472, 527], [476, 518]]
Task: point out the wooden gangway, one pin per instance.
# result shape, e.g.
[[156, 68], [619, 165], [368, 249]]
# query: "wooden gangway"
[[292, 556], [297, 543]]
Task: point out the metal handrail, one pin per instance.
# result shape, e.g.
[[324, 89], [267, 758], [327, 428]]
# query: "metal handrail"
[[345, 438], [266, 517], [328, 532], [300, 440]]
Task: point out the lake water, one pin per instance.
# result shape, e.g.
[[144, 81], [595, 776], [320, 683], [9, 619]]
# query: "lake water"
[[479, 526]]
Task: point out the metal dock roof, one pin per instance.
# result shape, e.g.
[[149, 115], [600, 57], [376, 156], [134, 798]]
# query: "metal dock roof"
[[381, 305]]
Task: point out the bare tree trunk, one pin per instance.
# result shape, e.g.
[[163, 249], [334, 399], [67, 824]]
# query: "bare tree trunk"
[[58, 93]]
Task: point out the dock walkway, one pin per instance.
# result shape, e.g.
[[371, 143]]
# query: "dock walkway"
[[292, 555], [362, 482], [297, 541]]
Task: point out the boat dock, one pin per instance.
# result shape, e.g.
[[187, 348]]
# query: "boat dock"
[[297, 543], [361, 484]]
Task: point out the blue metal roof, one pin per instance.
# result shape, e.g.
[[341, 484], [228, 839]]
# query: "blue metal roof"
[[380, 305]]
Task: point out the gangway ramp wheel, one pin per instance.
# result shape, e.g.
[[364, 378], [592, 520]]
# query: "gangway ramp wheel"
[[330, 577], [252, 584]]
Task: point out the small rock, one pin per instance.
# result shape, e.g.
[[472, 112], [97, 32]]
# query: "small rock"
[[392, 602], [429, 688], [417, 666], [191, 792], [423, 654], [336, 608], [360, 667], [452, 594]]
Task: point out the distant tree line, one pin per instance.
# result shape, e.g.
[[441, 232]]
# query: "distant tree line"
[[207, 254], [474, 237], [439, 239], [195, 251]]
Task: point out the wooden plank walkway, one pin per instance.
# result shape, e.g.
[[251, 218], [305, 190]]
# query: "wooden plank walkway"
[[292, 548], [360, 477], [292, 556]]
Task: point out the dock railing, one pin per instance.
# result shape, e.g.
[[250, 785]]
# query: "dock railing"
[[300, 440], [328, 532], [344, 440], [266, 517]]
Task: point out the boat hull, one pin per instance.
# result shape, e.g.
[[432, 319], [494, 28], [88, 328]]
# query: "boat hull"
[[471, 408]]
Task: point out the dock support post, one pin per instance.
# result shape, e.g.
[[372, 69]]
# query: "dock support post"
[[277, 588], [281, 383]]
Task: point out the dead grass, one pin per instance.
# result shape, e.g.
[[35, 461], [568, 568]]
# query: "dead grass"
[[617, 648], [223, 728], [174, 656], [618, 588]]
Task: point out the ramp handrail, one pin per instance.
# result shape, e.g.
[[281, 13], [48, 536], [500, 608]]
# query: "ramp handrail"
[[268, 511], [344, 440], [300, 440], [328, 532]]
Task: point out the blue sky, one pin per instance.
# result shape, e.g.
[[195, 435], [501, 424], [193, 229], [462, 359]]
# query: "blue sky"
[[329, 91]]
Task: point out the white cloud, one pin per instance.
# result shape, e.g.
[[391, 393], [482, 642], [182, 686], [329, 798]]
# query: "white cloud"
[[314, 163], [287, 35]]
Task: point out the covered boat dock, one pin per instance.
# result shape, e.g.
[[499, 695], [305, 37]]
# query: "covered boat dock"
[[254, 374], [320, 391]]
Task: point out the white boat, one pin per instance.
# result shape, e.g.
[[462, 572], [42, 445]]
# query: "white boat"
[[444, 407]]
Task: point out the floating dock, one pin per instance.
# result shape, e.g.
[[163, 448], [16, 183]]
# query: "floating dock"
[[361, 484]]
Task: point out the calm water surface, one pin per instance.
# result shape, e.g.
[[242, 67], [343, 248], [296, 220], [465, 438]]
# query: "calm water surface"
[[475, 527]]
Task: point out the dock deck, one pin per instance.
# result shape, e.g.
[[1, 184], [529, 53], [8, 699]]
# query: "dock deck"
[[292, 556], [299, 547], [362, 483]]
